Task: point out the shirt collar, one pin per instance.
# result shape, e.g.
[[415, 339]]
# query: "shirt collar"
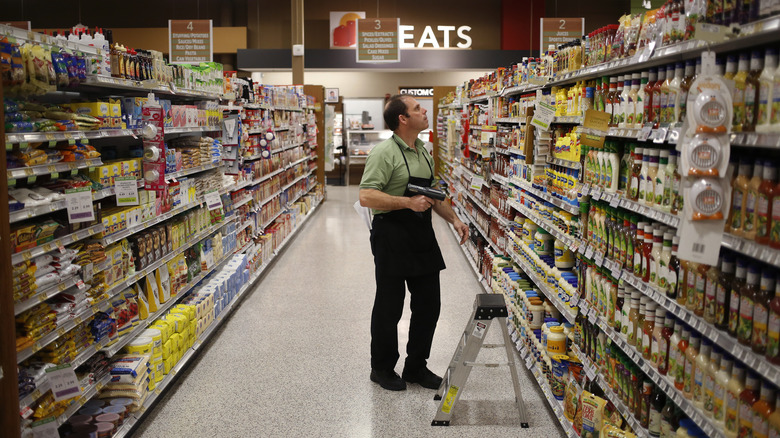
[[417, 143]]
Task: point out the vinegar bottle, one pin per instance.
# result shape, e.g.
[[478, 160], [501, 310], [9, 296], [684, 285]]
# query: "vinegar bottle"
[[751, 204], [673, 271], [766, 194], [690, 354], [736, 219], [721, 383], [735, 387], [761, 300], [682, 346], [747, 398], [746, 304], [648, 95], [735, 297], [636, 175], [751, 91], [639, 242], [685, 86], [738, 97], [711, 290], [723, 293], [646, 253], [690, 286]]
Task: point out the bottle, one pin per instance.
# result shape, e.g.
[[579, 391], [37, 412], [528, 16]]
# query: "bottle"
[[751, 91], [722, 379], [691, 353], [673, 271], [663, 263], [774, 420], [710, 372], [775, 117], [640, 323], [762, 409], [636, 174], [647, 260], [690, 286], [677, 194], [751, 204], [723, 293], [761, 298], [656, 99], [740, 278], [735, 387], [675, 93], [630, 234], [700, 368], [644, 412], [682, 346], [660, 179], [766, 83], [657, 402], [639, 243], [668, 426], [647, 331], [685, 86], [667, 105], [657, 341], [613, 170], [773, 336], [641, 99], [643, 173], [648, 95], [774, 226], [652, 174], [617, 320], [682, 281], [767, 191], [668, 177], [626, 161], [746, 304], [738, 98], [747, 398], [711, 290], [633, 95], [736, 219], [633, 318]]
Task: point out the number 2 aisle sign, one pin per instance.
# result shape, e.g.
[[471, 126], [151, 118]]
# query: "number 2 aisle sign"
[[190, 41], [557, 31]]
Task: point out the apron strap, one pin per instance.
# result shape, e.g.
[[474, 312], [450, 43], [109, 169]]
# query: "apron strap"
[[403, 155]]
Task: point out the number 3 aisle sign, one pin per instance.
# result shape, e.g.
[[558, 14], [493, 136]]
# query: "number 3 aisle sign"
[[557, 31], [377, 40]]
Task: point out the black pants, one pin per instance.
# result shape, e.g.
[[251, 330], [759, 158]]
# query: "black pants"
[[388, 308]]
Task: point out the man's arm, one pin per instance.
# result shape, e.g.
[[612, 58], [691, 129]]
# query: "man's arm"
[[444, 210], [378, 200]]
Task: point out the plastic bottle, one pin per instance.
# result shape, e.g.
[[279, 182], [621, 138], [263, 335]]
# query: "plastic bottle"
[[647, 249], [636, 174], [667, 104], [631, 100], [736, 219], [682, 347], [677, 189], [751, 204], [639, 242], [669, 420], [767, 191], [633, 318], [751, 91], [711, 290], [648, 94], [773, 336], [722, 379], [644, 411], [675, 94], [690, 286], [673, 271], [691, 353], [747, 398], [762, 409], [652, 175], [611, 100], [657, 402], [663, 263], [701, 367], [761, 299], [738, 98], [659, 185], [685, 86], [643, 175], [774, 226], [775, 117], [647, 331], [655, 256], [674, 349], [723, 293], [711, 371], [740, 278], [746, 305], [774, 420], [735, 387], [765, 93], [625, 311], [657, 97], [657, 338]]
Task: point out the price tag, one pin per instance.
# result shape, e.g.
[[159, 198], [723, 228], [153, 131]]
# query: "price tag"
[[64, 383], [543, 115], [583, 248], [126, 188], [595, 193], [644, 134], [585, 190], [615, 202], [88, 272], [213, 201], [592, 316], [81, 285], [46, 428], [574, 300], [79, 202], [599, 259], [589, 372], [589, 253]]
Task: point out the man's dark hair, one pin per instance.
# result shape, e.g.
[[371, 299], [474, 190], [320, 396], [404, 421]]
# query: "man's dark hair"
[[394, 108]]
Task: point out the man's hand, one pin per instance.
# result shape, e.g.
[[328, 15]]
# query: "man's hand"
[[420, 203], [462, 229]]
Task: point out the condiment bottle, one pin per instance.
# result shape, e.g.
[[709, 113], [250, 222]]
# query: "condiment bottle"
[[633, 95], [646, 250], [636, 174], [738, 97], [655, 255], [690, 286], [691, 353], [682, 346], [701, 285], [735, 299], [669, 422], [648, 95], [677, 194], [652, 174], [657, 402], [643, 173], [663, 339], [640, 322], [656, 100], [647, 331], [711, 290], [774, 227], [666, 103], [747, 398], [746, 303], [612, 99], [700, 368], [682, 289], [663, 263], [774, 420], [722, 379], [625, 311], [617, 320], [735, 387], [675, 93], [773, 337], [765, 93], [674, 349], [723, 293], [751, 204], [761, 298], [639, 242], [647, 392], [659, 185], [751, 91], [657, 336], [633, 318], [762, 409], [668, 177], [767, 191], [736, 219], [710, 371], [673, 271]]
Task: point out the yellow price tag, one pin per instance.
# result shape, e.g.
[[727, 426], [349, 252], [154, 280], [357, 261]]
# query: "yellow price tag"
[[61, 331], [50, 137], [52, 168], [74, 237], [9, 146], [41, 298], [47, 247], [32, 179], [11, 182], [73, 166], [26, 256], [68, 135], [62, 287], [29, 172], [97, 347], [55, 175], [82, 400], [52, 143], [36, 394], [78, 320], [71, 141], [36, 346]]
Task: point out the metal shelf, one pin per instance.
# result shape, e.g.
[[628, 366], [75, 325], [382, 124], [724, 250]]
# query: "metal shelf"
[[146, 86], [564, 163], [56, 243], [48, 169], [61, 286], [756, 140], [546, 196], [192, 170], [751, 249], [42, 137]]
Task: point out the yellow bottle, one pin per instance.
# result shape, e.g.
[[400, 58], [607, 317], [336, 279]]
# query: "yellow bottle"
[[740, 82], [735, 386], [751, 202]]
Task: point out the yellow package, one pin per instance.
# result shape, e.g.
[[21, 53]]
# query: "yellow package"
[[165, 327], [152, 293], [167, 349], [164, 280], [143, 303], [592, 415]]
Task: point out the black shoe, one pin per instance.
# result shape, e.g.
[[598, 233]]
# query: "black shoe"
[[388, 380], [424, 377]]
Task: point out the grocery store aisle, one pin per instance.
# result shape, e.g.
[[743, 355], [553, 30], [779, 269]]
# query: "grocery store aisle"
[[293, 359]]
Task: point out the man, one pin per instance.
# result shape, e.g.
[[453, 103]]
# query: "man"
[[405, 250]]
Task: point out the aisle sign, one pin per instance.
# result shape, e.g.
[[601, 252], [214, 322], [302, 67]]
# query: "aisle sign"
[[557, 31], [64, 383], [126, 188], [377, 40], [190, 41], [79, 202]]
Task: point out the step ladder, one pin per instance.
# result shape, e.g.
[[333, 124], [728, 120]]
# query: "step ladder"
[[487, 307]]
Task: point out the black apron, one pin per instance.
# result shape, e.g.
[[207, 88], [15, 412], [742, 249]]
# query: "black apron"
[[403, 241]]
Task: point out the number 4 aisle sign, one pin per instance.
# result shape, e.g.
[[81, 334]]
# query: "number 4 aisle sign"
[[190, 41]]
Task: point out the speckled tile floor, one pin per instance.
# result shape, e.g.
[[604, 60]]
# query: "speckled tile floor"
[[293, 359]]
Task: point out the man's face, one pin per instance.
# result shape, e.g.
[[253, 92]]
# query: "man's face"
[[418, 116]]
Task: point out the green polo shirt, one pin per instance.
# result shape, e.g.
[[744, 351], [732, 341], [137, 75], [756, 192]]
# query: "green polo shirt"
[[385, 168]]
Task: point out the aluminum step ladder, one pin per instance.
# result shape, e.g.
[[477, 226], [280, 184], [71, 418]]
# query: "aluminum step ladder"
[[487, 307]]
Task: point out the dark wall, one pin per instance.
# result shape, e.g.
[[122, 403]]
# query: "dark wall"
[[597, 13]]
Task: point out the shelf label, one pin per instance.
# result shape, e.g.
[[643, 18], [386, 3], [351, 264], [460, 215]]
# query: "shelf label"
[[597, 120], [46, 428], [615, 201], [477, 183], [213, 200], [79, 202], [126, 188], [644, 134], [589, 253], [543, 115], [64, 383]]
